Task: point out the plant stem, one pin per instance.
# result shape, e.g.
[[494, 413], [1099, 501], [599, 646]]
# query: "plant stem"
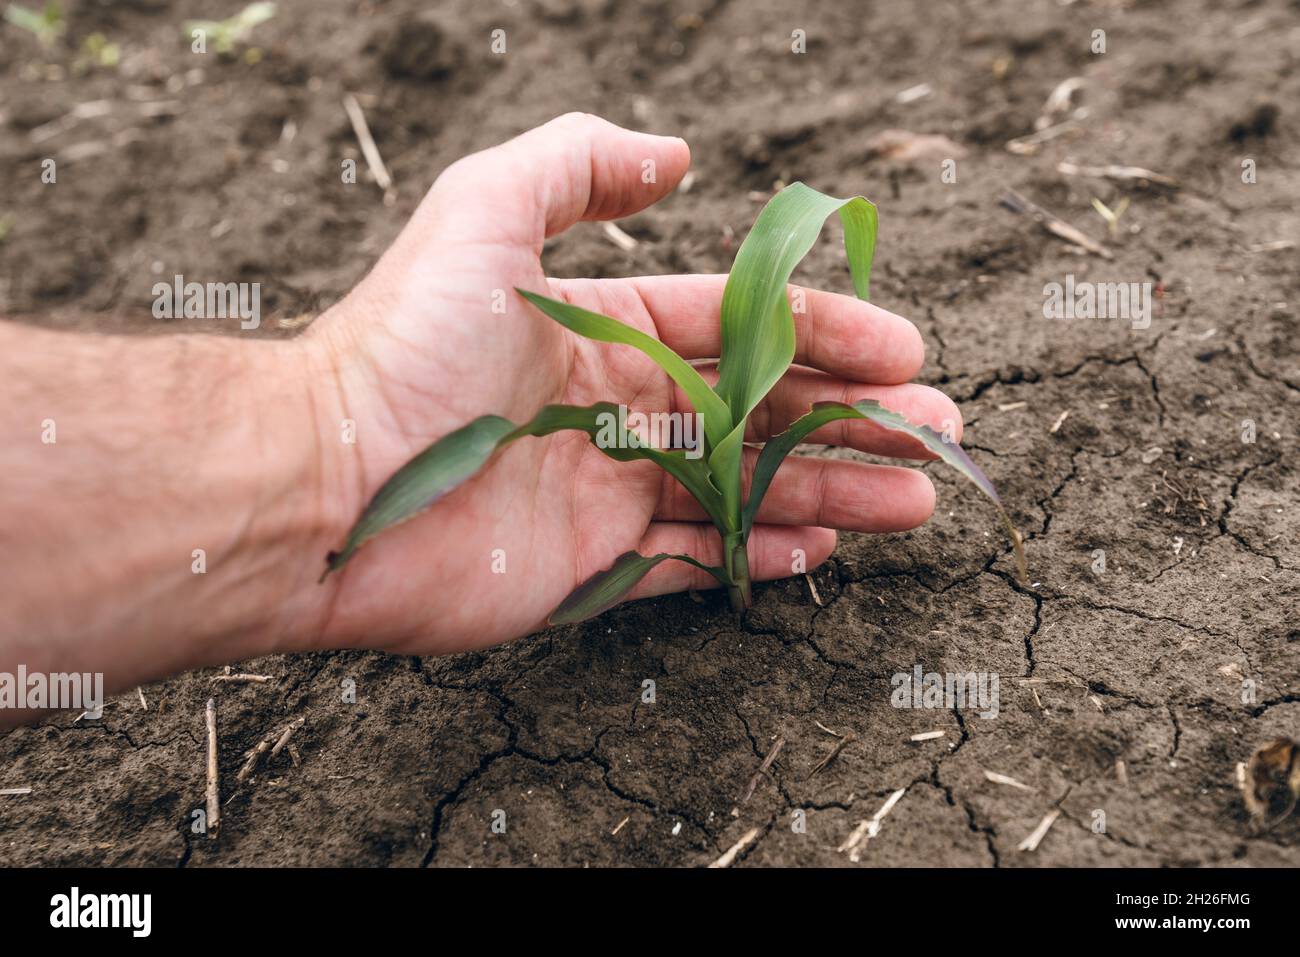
[[736, 559]]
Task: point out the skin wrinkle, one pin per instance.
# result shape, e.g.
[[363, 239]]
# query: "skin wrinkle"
[[402, 411], [357, 468], [578, 160], [575, 507], [269, 515], [812, 326], [624, 311], [820, 491]]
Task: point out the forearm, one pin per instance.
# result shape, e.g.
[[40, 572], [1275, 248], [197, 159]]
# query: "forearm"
[[162, 505]]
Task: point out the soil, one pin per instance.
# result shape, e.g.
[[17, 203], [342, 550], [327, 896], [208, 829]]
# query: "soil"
[[236, 176]]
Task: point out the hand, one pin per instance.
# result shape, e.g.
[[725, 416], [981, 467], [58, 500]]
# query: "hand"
[[417, 350]]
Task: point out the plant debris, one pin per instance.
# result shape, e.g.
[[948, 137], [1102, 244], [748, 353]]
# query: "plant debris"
[[869, 828], [1271, 784], [1053, 224], [726, 859], [1036, 836], [758, 775], [840, 745]]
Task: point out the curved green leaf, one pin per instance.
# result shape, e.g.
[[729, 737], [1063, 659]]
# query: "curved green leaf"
[[605, 589], [458, 455], [757, 324], [823, 413], [423, 480], [724, 465], [717, 418]]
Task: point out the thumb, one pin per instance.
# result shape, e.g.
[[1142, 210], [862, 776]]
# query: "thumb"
[[576, 167]]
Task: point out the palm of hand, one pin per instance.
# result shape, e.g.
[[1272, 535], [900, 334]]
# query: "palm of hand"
[[503, 550], [437, 336]]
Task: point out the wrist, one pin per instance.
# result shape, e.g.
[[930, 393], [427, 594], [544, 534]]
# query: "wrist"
[[325, 358], [187, 508], [254, 501], [309, 487]]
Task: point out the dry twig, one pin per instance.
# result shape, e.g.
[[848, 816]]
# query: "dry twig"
[[1120, 174], [1030, 145], [619, 238], [245, 679], [1054, 224], [213, 796], [368, 148], [840, 745], [762, 769], [869, 828], [726, 859], [1008, 781], [1032, 841], [272, 743], [1059, 102]]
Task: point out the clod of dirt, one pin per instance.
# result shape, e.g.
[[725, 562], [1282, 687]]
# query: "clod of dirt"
[[264, 128], [1272, 784], [25, 115], [1261, 121], [572, 11], [908, 147], [1169, 79], [760, 150], [417, 48]]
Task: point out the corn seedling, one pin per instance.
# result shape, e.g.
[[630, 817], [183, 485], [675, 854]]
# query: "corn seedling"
[[97, 52], [224, 34], [1111, 216], [47, 26], [758, 346]]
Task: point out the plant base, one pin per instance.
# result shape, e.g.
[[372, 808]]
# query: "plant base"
[[737, 564]]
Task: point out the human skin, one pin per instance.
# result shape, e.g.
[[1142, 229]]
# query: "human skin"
[[237, 447]]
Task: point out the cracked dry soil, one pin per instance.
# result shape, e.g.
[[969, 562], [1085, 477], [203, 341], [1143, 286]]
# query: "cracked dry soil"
[[1143, 663]]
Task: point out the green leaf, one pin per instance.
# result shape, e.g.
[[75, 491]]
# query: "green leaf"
[[47, 26], [24, 18], [249, 17], [757, 324], [423, 480], [717, 418], [602, 424], [226, 33], [724, 464], [823, 413], [603, 590], [459, 455]]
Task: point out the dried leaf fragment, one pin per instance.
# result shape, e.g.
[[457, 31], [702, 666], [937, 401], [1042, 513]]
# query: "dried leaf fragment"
[[1272, 783]]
